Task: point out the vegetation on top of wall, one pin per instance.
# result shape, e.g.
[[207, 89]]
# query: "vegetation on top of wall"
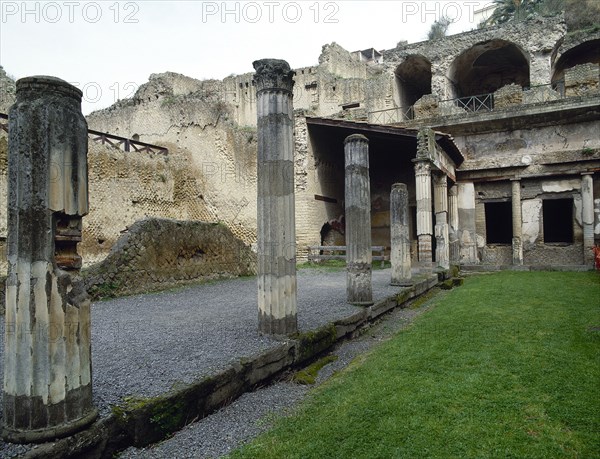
[[579, 14]]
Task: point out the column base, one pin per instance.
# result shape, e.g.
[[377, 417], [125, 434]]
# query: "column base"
[[49, 433]]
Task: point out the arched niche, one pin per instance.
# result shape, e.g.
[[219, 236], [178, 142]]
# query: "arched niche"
[[413, 79], [487, 66], [584, 53]]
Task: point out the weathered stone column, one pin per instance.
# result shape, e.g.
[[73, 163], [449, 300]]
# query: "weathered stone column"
[[440, 205], [47, 354], [400, 237], [453, 224], [587, 198], [358, 220], [277, 310], [425, 146], [424, 215], [466, 221], [517, 223]]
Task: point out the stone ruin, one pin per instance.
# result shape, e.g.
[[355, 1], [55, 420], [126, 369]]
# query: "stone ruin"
[[512, 183]]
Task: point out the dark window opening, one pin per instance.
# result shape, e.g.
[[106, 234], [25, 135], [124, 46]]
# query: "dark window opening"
[[558, 220], [413, 222], [498, 222]]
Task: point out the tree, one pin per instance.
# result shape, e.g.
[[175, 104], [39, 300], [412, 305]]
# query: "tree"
[[519, 10], [439, 28]]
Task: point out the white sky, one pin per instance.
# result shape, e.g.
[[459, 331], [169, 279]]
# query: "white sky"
[[109, 48]]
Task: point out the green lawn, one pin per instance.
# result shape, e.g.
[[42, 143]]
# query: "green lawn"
[[506, 366]]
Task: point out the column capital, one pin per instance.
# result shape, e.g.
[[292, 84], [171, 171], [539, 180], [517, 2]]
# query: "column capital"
[[273, 74], [422, 166]]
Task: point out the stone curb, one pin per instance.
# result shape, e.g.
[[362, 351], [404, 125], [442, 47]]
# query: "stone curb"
[[141, 422]]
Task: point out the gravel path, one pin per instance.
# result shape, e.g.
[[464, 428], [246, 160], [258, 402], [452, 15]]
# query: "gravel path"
[[253, 413], [146, 344]]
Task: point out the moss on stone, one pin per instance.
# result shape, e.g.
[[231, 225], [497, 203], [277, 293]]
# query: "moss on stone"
[[314, 342], [308, 375]]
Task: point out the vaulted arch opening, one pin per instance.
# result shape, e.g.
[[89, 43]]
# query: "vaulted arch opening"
[[488, 66], [586, 53], [413, 79]]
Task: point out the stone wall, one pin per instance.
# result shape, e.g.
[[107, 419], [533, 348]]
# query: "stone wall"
[[536, 38], [158, 253], [126, 187], [582, 79], [323, 90], [219, 157], [535, 250], [8, 91]]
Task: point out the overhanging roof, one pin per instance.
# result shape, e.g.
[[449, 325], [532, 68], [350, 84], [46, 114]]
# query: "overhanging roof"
[[445, 141]]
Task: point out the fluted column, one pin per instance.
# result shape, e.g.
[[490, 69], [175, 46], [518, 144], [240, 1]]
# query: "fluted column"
[[453, 224], [276, 229], [587, 198], [440, 204], [517, 223], [400, 237], [358, 220], [47, 355], [424, 212]]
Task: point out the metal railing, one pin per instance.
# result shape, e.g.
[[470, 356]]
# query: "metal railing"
[[471, 104], [474, 104], [391, 115], [122, 143]]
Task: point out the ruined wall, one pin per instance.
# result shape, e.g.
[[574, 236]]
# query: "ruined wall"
[[123, 188], [536, 38], [583, 79], [219, 156], [323, 90], [158, 253], [8, 91]]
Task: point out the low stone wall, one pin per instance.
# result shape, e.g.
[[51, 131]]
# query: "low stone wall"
[[160, 253]]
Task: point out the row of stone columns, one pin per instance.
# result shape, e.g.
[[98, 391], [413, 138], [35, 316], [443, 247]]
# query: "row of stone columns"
[[468, 252], [47, 390]]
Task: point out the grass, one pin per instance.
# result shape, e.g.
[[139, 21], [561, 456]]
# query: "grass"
[[506, 366]]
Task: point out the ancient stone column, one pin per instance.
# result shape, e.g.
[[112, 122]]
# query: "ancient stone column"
[[358, 220], [440, 205], [400, 237], [425, 148], [453, 224], [587, 198], [277, 310], [47, 354], [424, 212], [466, 220], [517, 223]]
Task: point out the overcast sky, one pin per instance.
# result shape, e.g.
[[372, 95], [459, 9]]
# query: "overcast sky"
[[109, 48]]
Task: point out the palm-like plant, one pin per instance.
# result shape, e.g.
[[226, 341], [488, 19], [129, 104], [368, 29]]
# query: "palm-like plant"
[[511, 10]]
